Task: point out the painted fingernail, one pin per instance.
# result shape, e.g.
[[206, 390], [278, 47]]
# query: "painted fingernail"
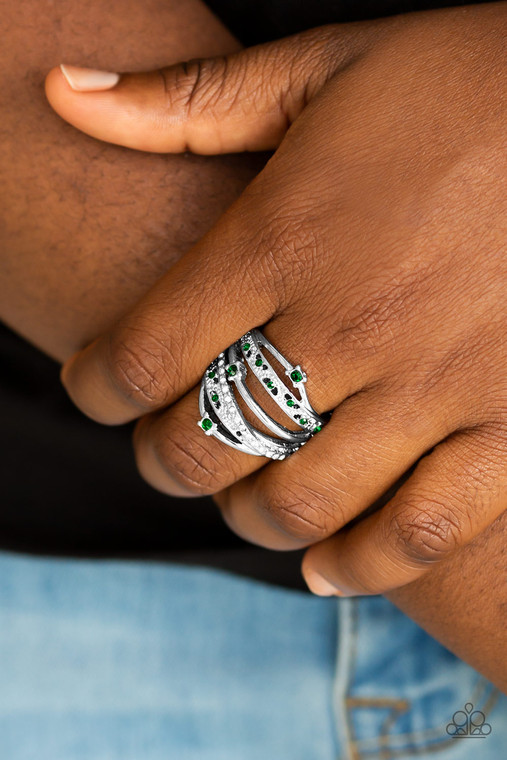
[[89, 80], [319, 585]]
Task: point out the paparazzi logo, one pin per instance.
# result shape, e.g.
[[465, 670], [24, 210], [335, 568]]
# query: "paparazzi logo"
[[468, 724]]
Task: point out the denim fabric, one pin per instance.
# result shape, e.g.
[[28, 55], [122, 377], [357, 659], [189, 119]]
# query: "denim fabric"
[[397, 690], [137, 661]]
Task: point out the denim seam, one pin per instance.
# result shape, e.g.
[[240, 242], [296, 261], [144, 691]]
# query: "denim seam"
[[479, 689], [352, 741], [383, 751], [386, 752], [345, 653]]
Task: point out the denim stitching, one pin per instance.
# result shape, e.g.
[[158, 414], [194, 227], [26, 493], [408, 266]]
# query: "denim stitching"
[[384, 749], [387, 752], [345, 643]]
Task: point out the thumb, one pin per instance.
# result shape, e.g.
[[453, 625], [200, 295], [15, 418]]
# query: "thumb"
[[245, 101]]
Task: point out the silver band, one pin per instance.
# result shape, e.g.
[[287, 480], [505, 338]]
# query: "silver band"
[[222, 416]]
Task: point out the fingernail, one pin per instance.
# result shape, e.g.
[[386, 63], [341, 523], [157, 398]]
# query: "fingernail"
[[319, 585], [89, 80]]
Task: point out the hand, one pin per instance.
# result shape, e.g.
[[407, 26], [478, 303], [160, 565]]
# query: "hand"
[[87, 228], [373, 247]]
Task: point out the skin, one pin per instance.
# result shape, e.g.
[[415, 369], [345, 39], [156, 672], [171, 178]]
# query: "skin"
[[98, 224], [408, 114], [462, 601]]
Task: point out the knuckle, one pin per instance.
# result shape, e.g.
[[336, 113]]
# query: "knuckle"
[[298, 513], [362, 332], [188, 462], [138, 367], [289, 248], [198, 84], [444, 368], [491, 405], [492, 435], [371, 322], [426, 531]]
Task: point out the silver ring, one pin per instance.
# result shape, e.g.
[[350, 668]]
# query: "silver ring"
[[225, 379]]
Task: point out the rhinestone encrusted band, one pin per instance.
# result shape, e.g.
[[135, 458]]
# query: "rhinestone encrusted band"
[[221, 415]]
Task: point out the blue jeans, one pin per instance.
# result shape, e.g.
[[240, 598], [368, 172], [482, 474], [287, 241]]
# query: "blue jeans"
[[143, 661]]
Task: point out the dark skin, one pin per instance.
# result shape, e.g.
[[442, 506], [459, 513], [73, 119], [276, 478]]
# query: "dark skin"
[[65, 200], [105, 222]]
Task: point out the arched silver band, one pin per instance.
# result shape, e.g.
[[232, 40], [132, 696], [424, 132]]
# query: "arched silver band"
[[221, 415]]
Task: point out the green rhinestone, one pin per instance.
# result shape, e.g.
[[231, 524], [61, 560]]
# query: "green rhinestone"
[[302, 421], [232, 370], [270, 384], [214, 397], [258, 362], [317, 428], [211, 375], [296, 376], [206, 424], [290, 402], [246, 346]]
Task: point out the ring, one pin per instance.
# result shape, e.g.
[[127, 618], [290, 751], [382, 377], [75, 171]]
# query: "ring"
[[225, 380]]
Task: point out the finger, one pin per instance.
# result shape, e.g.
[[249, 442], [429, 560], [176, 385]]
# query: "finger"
[[371, 441], [244, 101], [160, 350], [175, 456], [453, 494]]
